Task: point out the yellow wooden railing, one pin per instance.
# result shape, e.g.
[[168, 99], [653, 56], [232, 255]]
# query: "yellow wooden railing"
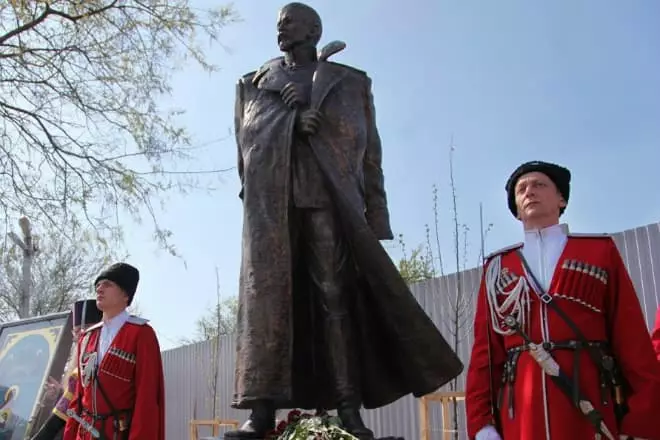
[[215, 424], [445, 398]]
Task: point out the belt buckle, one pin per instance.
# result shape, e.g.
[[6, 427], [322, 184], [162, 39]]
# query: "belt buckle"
[[121, 424]]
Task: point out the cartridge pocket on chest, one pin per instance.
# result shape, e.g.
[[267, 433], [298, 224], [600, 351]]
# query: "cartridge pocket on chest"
[[584, 283], [119, 364]]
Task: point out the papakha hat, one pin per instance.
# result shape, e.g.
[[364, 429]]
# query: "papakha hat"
[[124, 275]]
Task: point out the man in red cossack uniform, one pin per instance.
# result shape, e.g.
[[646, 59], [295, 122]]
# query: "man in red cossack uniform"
[[120, 393], [655, 335], [561, 348]]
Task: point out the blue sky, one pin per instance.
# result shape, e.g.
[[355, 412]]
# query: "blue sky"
[[577, 83]]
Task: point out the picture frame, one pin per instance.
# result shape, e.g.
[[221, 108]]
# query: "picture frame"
[[31, 351]]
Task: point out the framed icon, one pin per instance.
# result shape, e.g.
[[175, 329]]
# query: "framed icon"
[[31, 350]]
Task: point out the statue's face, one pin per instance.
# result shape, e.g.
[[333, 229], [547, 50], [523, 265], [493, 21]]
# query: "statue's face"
[[293, 29]]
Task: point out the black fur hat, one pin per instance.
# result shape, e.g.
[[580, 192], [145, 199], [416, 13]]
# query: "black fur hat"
[[124, 275]]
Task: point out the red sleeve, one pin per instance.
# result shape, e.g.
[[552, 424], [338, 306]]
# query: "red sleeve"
[[634, 352], [485, 369], [148, 421], [655, 336]]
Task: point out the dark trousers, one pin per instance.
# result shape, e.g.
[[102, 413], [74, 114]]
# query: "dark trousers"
[[321, 251]]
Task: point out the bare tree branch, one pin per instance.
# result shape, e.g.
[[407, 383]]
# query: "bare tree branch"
[[83, 135], [62, 272], [218, 321]]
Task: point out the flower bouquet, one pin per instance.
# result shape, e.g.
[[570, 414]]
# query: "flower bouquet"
[[299, 426]]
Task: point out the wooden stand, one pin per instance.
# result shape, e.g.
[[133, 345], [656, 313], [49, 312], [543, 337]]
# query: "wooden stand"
[[445, 398], [215, 424]]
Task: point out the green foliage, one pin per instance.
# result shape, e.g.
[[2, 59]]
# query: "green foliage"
[[417, 266], [317, 428], [305, 426], [84, 137]]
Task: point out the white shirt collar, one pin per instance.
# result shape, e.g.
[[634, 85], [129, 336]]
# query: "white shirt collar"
[[542, 250], [554, 231], [116, 321], [109, 330]]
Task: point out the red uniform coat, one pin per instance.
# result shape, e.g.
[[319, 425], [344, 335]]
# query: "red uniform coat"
[[602, 302], [655, 336], [131, 374]]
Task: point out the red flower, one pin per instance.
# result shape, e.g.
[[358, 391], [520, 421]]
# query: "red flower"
[[294, 416], [281, 427]]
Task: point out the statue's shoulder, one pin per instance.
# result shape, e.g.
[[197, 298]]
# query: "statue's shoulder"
[[503, 251], [247, 78], [253, 76], [350, 69]]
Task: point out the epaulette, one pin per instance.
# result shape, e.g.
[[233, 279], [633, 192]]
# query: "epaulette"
[[94, 327], [589, 235], [137, 320], [504, 250]]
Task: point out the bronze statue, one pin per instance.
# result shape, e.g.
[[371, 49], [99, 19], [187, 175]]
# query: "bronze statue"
[[325, 319]]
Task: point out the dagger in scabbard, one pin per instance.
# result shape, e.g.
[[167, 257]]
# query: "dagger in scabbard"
[[561, 379]]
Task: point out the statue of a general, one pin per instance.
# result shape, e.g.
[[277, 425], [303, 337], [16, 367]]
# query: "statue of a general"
[[325, 319]]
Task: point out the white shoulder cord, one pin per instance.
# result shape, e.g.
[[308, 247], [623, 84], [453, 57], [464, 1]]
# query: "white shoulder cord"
[[516, 303], [84, 370]]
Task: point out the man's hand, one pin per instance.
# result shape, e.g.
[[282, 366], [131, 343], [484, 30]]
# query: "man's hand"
[[290, 95], [488, 433], [308, 121]]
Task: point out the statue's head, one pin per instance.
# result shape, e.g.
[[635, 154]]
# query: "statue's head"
[[298, 25]]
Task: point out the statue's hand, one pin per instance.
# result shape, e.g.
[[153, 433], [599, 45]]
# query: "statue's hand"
[[290, 95], [308, 121]]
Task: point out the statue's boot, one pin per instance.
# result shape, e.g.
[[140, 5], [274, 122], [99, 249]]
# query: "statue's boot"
[[352, 422], [341, 345], [260, 422]]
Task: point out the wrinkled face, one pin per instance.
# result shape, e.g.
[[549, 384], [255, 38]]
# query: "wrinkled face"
[[109, 296], [293, 29], [537, 197]]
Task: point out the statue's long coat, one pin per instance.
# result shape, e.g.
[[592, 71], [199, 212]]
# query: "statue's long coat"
[[279, 351]]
